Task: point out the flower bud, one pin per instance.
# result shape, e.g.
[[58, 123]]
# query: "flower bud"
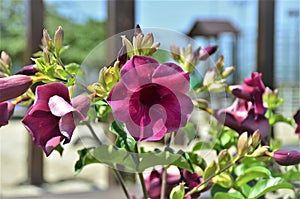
[[287, 157], [177, 192], [228, 71], [59, 38], [297, 120], [122, 56], [6, 110], [260, 151], [14, 86], [255, 138], [147, 40], [129, 47], [242, 145], [5, 58], [28, 70], [137, 30], [46, 55], [46, 40], [207, 51]]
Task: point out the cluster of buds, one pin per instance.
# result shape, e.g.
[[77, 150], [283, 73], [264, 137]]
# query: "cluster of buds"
[[5, 64], [55, 46], [215, 78], [108, 77], [272, 99], [141, 44], [188, 58]]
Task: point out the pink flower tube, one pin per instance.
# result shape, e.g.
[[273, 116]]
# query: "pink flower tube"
[[14, 86]]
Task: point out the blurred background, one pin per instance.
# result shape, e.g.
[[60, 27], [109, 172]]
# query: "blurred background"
[[254, 35]]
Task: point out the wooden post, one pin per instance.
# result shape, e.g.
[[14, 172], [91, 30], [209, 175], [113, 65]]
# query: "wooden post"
[[34, 30], [265, 42], [120, 18]]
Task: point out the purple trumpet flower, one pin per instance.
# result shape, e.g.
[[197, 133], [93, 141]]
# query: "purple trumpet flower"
[[52, 118], [151, 98]]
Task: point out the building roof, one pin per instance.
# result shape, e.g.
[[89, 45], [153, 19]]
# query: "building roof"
[[212, 28]]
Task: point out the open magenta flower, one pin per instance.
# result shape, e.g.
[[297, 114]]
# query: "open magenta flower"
[[297, 120], [6, 110], [14, 86], [287, 157], [240, 116], [151, 98], [154, 183], [51, 119], [252, 90]]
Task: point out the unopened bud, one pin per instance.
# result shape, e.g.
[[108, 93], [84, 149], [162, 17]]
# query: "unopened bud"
[[287, 157], [207, 51], [260, 151], [201, 103], [255, 138], [228, 71], [14, 86], [137, 30], [5, 59], [129, 47], [220, 63], [242, 145], [46, 41], [59, 38], [177, 192], [122, 56], [46, 55], [147, 40]]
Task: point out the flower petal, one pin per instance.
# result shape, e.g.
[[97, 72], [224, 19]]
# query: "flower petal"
[[59, 107], [168, 73], [42, 126], [52, 144], [138, 72], [44, 92], [67, 126]]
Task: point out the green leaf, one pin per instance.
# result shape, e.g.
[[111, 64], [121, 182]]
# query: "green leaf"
[[230, 195], [252, 173], [177, 192], [224, 158], [216, 188], [247, 163], [210, 170], [85, 158], [131, 162], [124, 139], [291, 176], [224, 179], [275, 144], [202, 145], [73, 68], [274, 118], [59, 149], [264, 186]]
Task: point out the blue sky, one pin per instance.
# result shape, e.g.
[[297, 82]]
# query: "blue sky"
[[179, 15]]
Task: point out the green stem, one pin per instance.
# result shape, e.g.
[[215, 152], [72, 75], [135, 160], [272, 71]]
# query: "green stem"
[[140, 174], [163, 183], [195, 189], [116, 172], [120, 179], [93, 132]]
